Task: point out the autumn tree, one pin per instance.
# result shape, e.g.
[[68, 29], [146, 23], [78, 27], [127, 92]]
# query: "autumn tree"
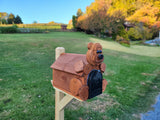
[[3, 17], [52, 22], [108, 16], [115, 25], [70, 22], [79, 12], [75, 17], [144, 32], [95, 17], [11, 18], [148, 14], [98, 20]]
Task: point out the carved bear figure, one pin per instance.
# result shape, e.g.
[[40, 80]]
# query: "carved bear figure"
[[80, 75]]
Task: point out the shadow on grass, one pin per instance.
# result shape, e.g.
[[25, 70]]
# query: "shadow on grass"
[[143, 104]]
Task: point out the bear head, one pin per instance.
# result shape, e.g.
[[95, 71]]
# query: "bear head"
[[94, 54]]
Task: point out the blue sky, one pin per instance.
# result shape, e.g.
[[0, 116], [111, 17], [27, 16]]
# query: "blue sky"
[[44, 11]]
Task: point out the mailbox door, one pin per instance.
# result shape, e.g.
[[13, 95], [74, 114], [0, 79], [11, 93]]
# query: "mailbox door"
[[94, 82]]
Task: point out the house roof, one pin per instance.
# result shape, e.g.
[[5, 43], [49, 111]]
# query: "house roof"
[[128, 24], [66, 62], [63, 25]]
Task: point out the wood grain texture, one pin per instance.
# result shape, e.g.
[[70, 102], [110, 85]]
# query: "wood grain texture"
[[75, 85]]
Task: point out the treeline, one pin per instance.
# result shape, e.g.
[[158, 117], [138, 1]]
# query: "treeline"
[[6, 18], [113, 17]]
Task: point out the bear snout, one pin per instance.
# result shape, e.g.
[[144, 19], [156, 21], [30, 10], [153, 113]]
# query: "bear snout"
[[100, 56]]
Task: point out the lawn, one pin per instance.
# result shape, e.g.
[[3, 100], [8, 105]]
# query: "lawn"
[[26, 93]]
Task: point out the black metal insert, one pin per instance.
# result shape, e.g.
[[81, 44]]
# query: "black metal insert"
[[94, 82]]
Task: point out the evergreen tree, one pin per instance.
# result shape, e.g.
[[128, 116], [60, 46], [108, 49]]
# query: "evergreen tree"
[[74, 21], [18, 20]]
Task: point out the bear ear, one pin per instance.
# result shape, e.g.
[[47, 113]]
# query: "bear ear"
[[89, 45]]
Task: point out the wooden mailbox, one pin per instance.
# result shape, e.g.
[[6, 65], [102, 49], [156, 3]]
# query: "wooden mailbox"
[[80, 75]]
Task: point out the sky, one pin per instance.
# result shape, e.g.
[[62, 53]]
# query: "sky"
[[44, 11]]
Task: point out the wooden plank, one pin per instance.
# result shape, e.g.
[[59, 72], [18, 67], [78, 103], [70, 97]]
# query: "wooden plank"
[[59, 114], [66, 92], [59, 51], [64, 102]]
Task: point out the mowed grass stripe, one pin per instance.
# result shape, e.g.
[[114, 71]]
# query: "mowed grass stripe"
[[134, 49]]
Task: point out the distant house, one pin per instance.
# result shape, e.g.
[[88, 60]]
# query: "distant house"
[[63, 27], [128, 25]]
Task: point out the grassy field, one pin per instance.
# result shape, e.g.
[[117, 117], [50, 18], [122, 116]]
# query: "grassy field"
[[45, 26], [26, 93]]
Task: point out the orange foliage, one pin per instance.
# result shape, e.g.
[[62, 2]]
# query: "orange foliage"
[[98, 5], [52, 22], [147, 14], [157, 24], [109, 15], [95, 16], [70, 22]]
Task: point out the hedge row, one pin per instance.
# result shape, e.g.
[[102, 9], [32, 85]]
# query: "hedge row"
[[12, 29], [15, 29]]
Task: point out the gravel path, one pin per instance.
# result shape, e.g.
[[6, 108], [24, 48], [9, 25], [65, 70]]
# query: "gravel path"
[[153, 114]]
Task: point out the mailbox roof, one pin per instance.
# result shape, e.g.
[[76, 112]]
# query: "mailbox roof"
[[66, 61]]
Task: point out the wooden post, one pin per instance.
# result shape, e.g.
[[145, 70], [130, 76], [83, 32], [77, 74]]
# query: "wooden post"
[[60, 100]]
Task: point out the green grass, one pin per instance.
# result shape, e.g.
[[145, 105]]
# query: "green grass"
[[134, 49], [26, 93]]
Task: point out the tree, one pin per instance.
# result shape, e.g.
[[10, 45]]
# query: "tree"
[[3, 17], [18, 20], [70, 22], [147, 14], [35, 22], [74, 21], [95, 18], [11, 19], [98, 20], [74, 18], [108, 16], [4, 21], [79, 13], [52, 22], [140, 32]]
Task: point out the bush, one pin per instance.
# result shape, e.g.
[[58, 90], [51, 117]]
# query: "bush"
[[122, 41], [133, 34], [12, 29], [140, 32], [119, 38], [120, 32]]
